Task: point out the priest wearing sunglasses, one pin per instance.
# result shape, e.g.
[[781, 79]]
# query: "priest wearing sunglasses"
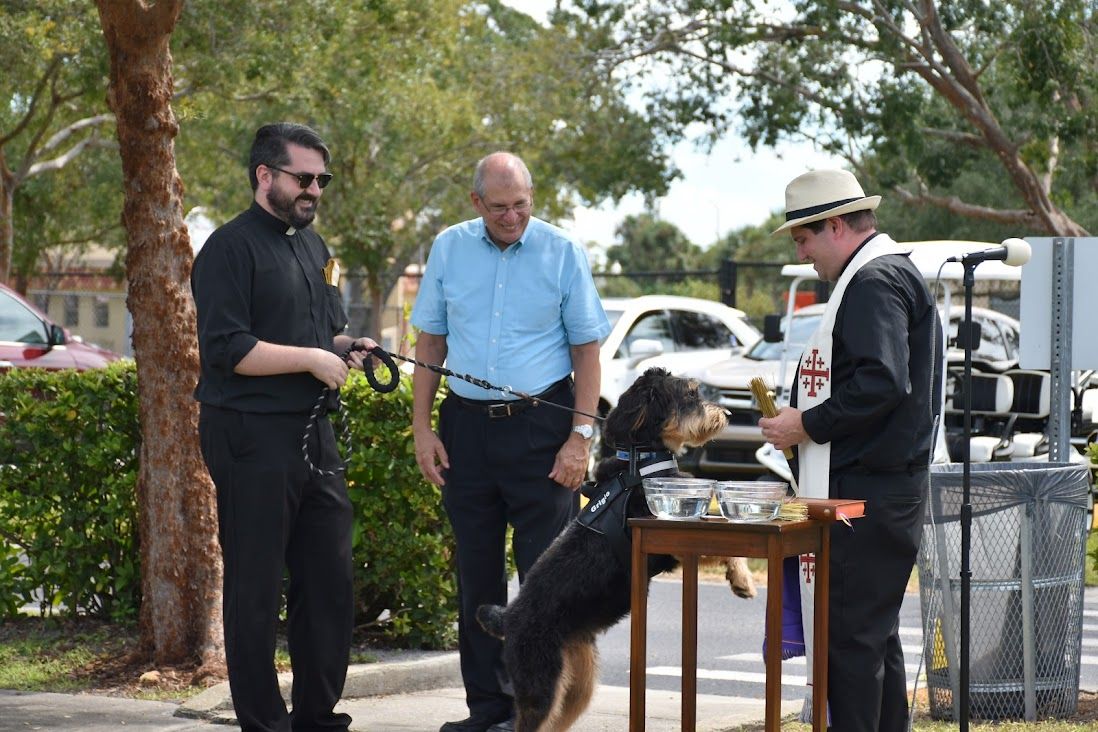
[[270, 328]]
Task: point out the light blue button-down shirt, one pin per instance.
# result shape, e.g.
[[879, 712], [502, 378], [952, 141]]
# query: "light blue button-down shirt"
[[509, 316]]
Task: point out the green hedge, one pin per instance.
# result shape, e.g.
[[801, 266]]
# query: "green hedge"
[[68, 513], [403, 548], [68, 516]]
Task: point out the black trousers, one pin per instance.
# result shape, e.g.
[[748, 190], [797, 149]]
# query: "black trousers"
[[498, 475], [273, 516], [870, 566]]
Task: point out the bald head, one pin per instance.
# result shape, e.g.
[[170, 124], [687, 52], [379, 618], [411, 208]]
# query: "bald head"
[[503, 196], [504, 168]]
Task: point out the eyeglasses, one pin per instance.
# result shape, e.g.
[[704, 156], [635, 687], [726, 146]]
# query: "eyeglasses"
[[306, 179], [499, 209]]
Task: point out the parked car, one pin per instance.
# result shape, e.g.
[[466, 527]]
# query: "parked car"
[[28, 338], [675, 333]]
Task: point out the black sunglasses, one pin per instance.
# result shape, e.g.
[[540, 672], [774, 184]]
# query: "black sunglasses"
[[306, 179]]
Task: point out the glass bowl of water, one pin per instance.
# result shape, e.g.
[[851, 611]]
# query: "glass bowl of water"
[[678, 498], [749, 501]]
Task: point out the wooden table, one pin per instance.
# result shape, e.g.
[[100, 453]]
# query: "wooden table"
[[772, 540]]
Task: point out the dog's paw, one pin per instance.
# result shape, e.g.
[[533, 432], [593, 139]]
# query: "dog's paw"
[[490, 618], [739, 577]]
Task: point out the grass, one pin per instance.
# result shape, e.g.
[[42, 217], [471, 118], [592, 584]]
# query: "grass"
[[81, 655], [39, 656]]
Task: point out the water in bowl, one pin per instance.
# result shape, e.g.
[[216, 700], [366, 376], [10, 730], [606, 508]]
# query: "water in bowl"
[[750, 501], [747, 510], [678, 507]]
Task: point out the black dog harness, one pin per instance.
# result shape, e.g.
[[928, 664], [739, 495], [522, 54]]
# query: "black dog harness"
[[608, 500]]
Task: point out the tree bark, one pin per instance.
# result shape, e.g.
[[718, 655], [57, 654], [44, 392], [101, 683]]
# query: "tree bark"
[[180, 619], [7, 225]]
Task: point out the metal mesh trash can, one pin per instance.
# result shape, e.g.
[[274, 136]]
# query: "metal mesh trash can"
[[1027, 556]]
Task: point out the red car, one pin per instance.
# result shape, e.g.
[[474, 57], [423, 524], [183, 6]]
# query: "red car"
[[28, 338]]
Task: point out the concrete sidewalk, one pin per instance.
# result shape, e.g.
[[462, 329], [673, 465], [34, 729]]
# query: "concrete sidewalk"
[[403, 692]]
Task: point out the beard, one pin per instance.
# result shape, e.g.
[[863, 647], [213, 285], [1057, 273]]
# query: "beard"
[[286, 207]]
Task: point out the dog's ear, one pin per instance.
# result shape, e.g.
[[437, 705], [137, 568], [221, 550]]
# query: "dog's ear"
[[641, 410], [622, 421]]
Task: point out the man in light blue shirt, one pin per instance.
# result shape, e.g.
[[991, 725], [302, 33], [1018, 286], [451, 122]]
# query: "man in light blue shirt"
[[510, 299]]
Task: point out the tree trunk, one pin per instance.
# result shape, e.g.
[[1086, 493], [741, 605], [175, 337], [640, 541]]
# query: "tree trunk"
[[7, 224], [377, 313], [180, 618]]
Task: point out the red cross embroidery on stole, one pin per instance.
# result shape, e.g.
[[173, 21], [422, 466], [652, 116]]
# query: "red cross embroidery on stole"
[[808, 567], [813, 372]]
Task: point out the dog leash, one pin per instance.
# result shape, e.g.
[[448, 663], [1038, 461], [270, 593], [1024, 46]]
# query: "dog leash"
[[345, 429], [386, 357], [475, 381]]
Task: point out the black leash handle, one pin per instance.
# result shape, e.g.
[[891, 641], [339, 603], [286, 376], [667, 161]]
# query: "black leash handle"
[[321, 400], [386, 359]]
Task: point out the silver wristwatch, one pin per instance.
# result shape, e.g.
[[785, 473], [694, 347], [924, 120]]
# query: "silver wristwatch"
[[585, 431]]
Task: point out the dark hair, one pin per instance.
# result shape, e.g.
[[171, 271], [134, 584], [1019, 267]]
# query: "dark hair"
[[857, 221], [269, 147]]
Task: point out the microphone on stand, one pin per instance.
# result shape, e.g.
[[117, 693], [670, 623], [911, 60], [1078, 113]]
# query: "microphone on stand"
[[1013, 252]]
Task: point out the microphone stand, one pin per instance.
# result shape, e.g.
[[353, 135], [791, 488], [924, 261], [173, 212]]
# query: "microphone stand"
[[966, 506]]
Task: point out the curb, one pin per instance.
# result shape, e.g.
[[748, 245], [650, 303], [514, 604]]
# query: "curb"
[[402, 675]]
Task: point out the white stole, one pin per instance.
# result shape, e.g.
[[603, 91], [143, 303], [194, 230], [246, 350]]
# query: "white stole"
[[814, 380]]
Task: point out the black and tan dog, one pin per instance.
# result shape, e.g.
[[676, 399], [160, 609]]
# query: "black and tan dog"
[[580, 585]]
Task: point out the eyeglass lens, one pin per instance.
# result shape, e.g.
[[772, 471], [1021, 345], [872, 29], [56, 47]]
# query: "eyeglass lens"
[[306, 179], [500, 210]]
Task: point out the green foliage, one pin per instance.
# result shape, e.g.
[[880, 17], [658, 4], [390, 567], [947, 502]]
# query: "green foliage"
[[409, 94], [623, 285], [49, 655], [982, 109], [64, 180], [650, 245], [69, 443], [403, 548]]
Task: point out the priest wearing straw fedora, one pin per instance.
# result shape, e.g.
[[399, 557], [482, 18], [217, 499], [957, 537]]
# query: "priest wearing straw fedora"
[[861, 423]]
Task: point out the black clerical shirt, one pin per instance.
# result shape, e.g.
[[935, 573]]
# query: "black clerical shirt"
[[885, 364], [258, 279]]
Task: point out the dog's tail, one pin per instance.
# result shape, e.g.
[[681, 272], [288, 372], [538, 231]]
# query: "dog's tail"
[[490, 618]]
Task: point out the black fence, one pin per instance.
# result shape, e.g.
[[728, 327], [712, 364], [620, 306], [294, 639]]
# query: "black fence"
[[729, 279]]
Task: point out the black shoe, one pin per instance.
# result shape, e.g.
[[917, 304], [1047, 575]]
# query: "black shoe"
[[469, 724], [507, 725]]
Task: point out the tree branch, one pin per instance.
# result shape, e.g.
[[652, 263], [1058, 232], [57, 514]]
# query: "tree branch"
[[51, 70], [1024, 218], [956, 136], [64, 134], [797, 89], [65, 158], [952, 55]]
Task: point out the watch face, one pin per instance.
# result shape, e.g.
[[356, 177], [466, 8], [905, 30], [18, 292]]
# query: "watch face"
[[585, 430]]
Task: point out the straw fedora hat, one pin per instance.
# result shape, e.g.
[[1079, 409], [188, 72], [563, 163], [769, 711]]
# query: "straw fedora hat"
[[821, 194]]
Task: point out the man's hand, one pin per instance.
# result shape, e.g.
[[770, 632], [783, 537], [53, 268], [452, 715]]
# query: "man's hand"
[[430, 455], [784, 430], [570, 465], [358, 357], [327, 367]]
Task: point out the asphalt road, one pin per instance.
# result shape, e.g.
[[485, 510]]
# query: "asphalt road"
[[730, 632]]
